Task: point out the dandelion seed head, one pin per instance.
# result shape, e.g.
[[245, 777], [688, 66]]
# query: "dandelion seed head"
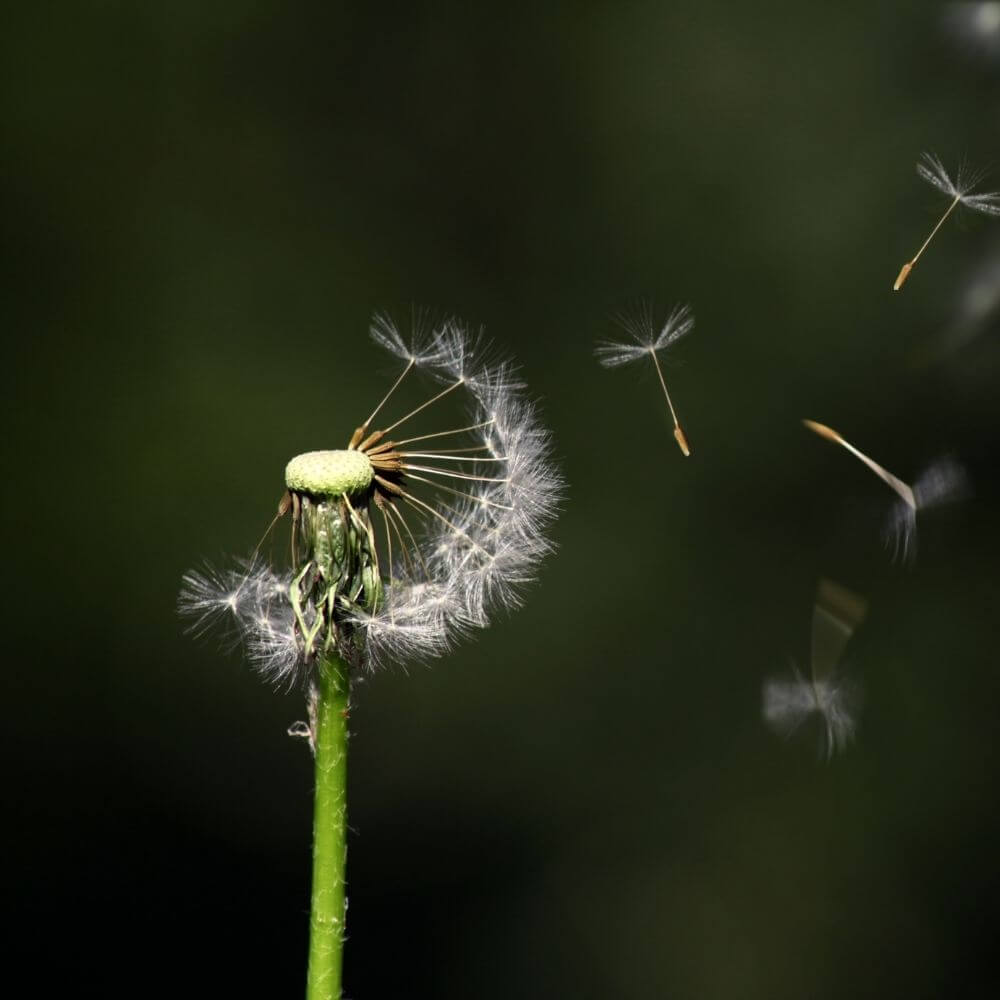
[[413, 535]]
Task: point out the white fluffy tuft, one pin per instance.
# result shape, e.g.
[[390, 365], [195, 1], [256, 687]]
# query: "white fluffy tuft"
[[931, 169], [479, 562], [250, 601], [789, 702], [943, 481], [646, 338]]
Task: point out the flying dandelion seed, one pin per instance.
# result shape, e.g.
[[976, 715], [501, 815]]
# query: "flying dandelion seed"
[[787, 703], [941, 482], [401, 542], [932, 170], [648, 343]]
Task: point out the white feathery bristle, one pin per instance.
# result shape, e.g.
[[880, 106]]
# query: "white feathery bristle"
[[272, 643], [208, 597], [639, 325], [421, 348], [988, 202], [931, 169], [614, 354], [900, 532], [228, 597], [251, 602], [679, 322], [788, 702], [494, 537], [461, 354], [943, 481], [416, 621]]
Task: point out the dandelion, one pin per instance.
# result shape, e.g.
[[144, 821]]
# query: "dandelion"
[[403, 541], [932, 170], [941, 482], [788, 702], [647, 342]]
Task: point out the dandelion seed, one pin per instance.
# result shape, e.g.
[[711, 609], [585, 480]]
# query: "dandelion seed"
[[787, 703], [648, 343], [943, 481], [932, 170], [903, 490]]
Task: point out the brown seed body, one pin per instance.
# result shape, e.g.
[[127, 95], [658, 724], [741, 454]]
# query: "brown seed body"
[[904, 273]]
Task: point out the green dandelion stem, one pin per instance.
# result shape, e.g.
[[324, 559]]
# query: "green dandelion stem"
[[326, 922]]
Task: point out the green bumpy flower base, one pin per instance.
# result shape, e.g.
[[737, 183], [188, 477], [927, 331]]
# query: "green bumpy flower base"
[[329, 473]]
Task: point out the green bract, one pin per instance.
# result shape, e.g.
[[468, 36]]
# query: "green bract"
[[337, 571]]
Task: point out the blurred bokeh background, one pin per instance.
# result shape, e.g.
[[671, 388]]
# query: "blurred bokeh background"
[[204, 205]]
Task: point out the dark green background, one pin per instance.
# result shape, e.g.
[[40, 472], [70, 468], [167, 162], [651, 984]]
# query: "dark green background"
[[204, 205]]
